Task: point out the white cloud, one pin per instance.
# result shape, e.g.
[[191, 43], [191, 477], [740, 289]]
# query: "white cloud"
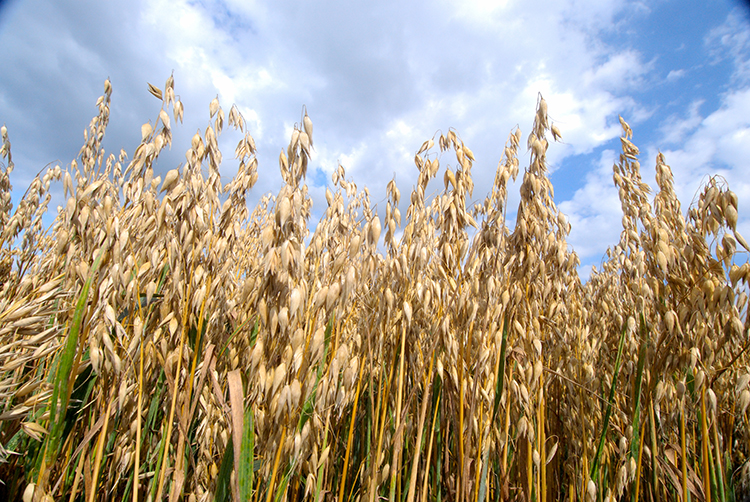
[[377, 79], [621, 71], [718, 144], [674, 75], [594, 212], [674, 129]]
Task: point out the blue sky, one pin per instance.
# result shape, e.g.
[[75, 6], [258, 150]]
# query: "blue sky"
[[379, 78]]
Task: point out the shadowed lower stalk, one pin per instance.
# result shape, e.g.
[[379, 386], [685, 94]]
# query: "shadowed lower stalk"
[[136, 466], [636, 448], [499, 381], [683, 451], [427, 384], [460, 481], [99, 451], [64, 377], [541, 440], [719, 467], [277, 459], [173, 404], [705, 442], [426, 475], [398, 442], [639, 465], [529, 467], [351, 436], [654, 452], [608, 412], [322, 466], [382, 421]]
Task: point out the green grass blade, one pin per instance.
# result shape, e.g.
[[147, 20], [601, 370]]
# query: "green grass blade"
[[246, 457], [499, 383], [321, 469], [719, 470], [482, 496], [500, 372], [308, 406], [636, 442], [223, 483], [60, 391], [253, 335], [608, 413], [284, 483]]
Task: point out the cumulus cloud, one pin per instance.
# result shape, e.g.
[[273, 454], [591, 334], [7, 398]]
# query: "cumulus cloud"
[[377, 80], [719, 144], [674, 128], [595, 212]]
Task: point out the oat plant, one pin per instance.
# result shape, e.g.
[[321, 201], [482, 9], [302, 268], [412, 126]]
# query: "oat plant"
[[163, 341]]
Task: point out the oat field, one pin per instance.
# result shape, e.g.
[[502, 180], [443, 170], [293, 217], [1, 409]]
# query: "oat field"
[[161, 341]]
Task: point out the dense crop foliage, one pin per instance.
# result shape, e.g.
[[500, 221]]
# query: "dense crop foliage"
[[160, 341]]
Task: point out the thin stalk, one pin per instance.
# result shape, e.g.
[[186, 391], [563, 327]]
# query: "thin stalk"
[[351, 435], [637, 442], [377, 425], [429, 450], [483, 471], [179, 475], [542, 473], [77, 478], [500, 369], [704, 447], [196, 352], [719, 468], [585, 474], [139, 419], [321, 467], [506, 429], [379, 448], [161, 445], [529, 466], [638, 387], [272, 481], [460, 435], [654, 451], [173, 404], [499, 382], [636, 492], [418, 444], [139, 425], [608, 413], [683, 452], [712, 466], [442, 452], [398, 441], [99, 452], [62, 383]]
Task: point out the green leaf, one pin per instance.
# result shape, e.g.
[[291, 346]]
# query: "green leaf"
[[223, 486], [608, 413], [307, 407], [247, 453], [60, 392], [500, 372]]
